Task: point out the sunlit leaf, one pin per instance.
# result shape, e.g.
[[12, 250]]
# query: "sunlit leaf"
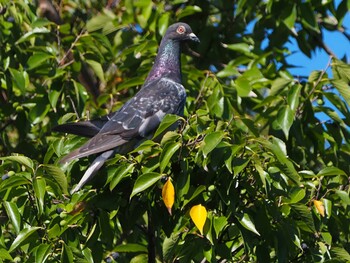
[[57, 174], [167, 123], [198, 215], [23, 160], [168, 194], [42, 252], [188, 10], [131, 248], [247, 223], [145, 181], [319, 207], [13, 214], [285, 119], [39, 185], [211, 141], [23, 237]]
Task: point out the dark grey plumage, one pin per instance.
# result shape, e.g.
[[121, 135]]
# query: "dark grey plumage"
[[161, 94]]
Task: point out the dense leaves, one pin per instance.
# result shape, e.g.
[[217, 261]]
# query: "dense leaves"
[[265, 153]]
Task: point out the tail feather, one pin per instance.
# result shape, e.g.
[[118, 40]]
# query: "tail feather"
[[92, 170]]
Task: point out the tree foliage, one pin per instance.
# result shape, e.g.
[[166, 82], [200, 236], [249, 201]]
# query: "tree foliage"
[[252, 148]]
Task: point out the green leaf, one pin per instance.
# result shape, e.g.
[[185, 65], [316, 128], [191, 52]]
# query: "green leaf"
[[23, 237], [211, 141], [37, 59], [169, 246], [247, 223], [296, 195], [308, 17], [315, 76], [278, 85], [228, 71], [21, 160], [39, 186], [239, 164], [330, 171], [98, 22], [219, 224], [344, 196], [243, 86], [97, 68], [305, 216], [343, 88], [117, 174], [278, 149], [57, 174], [42, 253], [167, 123], [32, 33], [145, 181], [341, 253], [328, 207], [5, 255], [131, 83], [285, 119], [127, 248], [294, 96], [187, 11], [38, 113], [239, 47], [163, 23], [14, 181], [340, 70], [53, 98], [13, 214], [198, 190], [67, 254], [168, 151], [290, 19]]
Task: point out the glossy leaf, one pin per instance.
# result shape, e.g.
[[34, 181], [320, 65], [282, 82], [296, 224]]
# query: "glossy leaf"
[[247, 223], [168, 195], [14, 215], [168, 151], [166, 124], [319, 207], [145, 181], [42, 252], [23, 237], [39, 185], [23, 160], [198, 215], [285, 119], [58, 175], [211, 141], [131, 248]]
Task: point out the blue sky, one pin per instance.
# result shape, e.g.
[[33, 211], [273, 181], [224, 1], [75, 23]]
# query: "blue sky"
[[336, 41]]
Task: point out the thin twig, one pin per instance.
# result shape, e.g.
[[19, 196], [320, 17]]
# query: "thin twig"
[[202, 89], [320, 77], [73, 105], [71, 47]]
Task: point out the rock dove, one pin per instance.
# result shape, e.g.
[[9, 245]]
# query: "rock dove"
[[121, 131]]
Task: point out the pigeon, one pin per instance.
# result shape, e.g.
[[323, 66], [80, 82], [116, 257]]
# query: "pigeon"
[[122, 131]]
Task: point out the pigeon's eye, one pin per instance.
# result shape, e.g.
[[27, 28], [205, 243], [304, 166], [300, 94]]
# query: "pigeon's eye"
[[181, 30]]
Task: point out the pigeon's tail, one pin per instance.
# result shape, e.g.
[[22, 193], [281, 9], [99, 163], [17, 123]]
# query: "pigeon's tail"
[[91, 171]]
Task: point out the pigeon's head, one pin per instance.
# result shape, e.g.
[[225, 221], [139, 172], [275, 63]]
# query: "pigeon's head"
[[181, 32]]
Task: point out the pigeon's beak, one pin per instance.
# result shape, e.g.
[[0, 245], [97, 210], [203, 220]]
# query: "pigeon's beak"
[[193, 37]]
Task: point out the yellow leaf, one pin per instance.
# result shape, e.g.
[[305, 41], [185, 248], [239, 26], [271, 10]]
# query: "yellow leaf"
[[319, 206], [198, 215], [168, 194]]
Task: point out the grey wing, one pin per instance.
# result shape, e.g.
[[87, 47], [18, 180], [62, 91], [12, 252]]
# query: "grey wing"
[[137, 119], [84, 128]]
